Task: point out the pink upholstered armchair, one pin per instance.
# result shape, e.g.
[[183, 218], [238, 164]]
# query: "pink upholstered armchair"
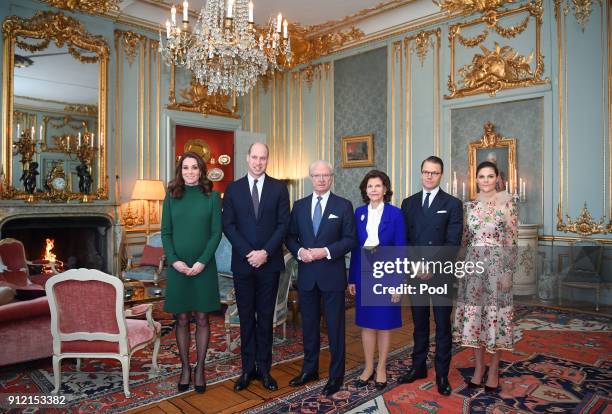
[[13, 257], [88, 321]]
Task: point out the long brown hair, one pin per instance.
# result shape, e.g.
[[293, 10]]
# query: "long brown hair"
[[176, 187]]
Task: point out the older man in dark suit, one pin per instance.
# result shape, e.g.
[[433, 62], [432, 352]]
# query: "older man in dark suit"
[[255, 220], [434, 219], [321, 232]]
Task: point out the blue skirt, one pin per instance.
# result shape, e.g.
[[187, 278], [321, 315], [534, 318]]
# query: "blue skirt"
[[376, 317]]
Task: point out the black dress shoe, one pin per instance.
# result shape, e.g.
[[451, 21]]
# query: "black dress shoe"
[[473, 385], [184, 387], [303, 378], [444, 387], [200, 388], [268, 382], [362, 383], [243, 381], [380, 385], [412, 376], [332, 386]]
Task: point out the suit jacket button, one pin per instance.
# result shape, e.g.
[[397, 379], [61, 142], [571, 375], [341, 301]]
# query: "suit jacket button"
[[429, 243]]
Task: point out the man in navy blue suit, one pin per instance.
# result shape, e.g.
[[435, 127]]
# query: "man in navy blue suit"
[[433, 218], [255, 221], [321, 232]]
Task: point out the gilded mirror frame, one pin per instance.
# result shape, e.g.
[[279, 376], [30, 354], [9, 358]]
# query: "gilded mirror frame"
[[50, 26], [491, 140]]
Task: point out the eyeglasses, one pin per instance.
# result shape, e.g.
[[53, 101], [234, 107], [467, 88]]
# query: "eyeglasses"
[[320, 176], [431, 173]]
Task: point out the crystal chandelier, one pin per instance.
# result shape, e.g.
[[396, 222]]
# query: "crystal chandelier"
[[225, 51]]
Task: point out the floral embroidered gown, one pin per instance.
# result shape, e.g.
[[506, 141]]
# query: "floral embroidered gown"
[[484, 314]]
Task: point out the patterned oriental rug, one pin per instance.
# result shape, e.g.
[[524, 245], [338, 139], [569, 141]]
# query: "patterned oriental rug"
[[562, 363], [97, 387]]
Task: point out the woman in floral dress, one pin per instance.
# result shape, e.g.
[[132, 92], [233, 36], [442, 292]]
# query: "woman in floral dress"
[[484, 315]]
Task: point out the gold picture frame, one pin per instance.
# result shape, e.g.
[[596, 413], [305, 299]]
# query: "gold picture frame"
[[358, 151], [488, 146]]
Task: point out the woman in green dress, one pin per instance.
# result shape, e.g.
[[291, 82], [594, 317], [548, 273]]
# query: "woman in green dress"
[[191, 232]]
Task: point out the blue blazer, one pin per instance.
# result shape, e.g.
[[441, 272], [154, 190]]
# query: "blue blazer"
[[391, 232], [247, 232], [336, 232]]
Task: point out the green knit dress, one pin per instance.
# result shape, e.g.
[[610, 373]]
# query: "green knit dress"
[[191, 232]]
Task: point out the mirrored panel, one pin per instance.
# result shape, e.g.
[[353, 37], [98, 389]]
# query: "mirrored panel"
[[55, 117]]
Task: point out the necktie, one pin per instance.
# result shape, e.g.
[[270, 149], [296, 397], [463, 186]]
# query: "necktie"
[[255, 197], [316, 217], [426, 203]]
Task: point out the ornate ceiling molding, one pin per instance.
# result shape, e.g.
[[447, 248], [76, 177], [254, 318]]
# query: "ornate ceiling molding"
[[470, 6], [306, 48], [87, 6], [584, 225]]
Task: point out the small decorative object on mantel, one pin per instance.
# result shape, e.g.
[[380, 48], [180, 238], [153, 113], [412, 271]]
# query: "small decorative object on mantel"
[[584, 225], [224, 159], [198, 146], [215, 174]]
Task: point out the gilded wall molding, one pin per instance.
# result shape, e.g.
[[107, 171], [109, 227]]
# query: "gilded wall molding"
[[470, 6], [305, 47], [422, 42], [131, 43], [198, 100], [581, 9], [87, 6], [584, 224], [500, 67], [83, 109]]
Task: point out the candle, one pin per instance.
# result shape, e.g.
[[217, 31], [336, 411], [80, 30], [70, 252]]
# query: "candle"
[[506, 186], [463, 190], [18, 135], [40, 136], [524, 188], [520, 187], [279, 21], [185, 11], [92, 140], [251, 12], [79, 139], [173, 14], [167, 29], [230, 8], [68, 142], [285, 32], [32, 132]]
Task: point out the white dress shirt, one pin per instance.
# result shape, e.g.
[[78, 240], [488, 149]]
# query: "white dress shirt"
[[260, 182], [433, 194], [374, 217], [313, 204]]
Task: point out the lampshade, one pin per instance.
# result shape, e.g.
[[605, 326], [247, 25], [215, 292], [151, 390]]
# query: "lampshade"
[[149, 190]]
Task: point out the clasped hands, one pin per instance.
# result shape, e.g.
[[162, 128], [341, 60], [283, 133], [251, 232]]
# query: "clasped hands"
[[186, 270], [257, 258], [310, 255]]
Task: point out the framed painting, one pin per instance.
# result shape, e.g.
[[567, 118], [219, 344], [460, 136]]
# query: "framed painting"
[[358, 151]]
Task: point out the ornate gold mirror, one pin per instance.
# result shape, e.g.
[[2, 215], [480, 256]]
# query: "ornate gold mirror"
[[53, 110]]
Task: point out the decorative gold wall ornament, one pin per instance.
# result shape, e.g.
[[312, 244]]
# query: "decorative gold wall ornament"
[[82, 109], [47, 26], [492, 140], [311, 72], [61, 29], [495, 70], [305, 47], [582, 9], [131, 42], [502, 67], [198, 100], [422, 42], [132, 217], [584, 225], [470, 6], [87, 6]]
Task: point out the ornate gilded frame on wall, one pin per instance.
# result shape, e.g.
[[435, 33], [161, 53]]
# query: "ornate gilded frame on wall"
[[50, 26], [357, 151], [584, 225], [500, 67], [491, 140], [198, 100]]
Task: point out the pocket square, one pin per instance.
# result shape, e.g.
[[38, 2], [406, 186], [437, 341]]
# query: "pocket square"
[[332, 216], [441, 212]]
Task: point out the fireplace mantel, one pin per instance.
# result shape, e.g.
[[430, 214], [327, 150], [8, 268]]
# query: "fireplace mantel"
[[17, 210]]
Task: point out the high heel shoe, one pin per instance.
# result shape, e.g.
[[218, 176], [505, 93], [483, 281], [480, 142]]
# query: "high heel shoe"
[[473, 385], [380, 385], [362, 383], [199, 388], [492, 389], [184, 387]]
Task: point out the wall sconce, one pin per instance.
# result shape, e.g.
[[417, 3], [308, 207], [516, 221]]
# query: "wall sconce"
[[150, 191]]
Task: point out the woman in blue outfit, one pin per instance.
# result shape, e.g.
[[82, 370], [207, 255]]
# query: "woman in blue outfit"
[[378, 224]]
